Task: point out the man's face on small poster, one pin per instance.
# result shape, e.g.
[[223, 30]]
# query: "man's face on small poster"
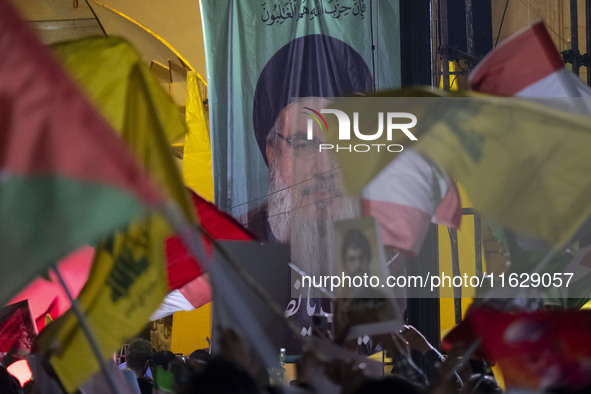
[[356, 253], [356, 263]]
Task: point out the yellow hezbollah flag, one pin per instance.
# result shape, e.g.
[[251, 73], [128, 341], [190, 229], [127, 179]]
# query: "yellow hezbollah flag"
[[128, 279], [523, 164], [126, 284], [197, 171]]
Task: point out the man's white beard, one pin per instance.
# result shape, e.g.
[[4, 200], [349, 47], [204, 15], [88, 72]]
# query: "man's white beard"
[[279, 206], [311, 231]]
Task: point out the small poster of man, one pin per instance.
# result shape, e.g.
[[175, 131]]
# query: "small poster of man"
[[366, 301]]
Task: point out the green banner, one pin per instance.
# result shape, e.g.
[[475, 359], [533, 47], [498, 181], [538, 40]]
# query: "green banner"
[[260, 54]]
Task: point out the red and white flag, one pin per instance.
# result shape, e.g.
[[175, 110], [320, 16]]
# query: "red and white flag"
[[527, 64], [190, 288], [191, 296], [502, 72], [406, 196]]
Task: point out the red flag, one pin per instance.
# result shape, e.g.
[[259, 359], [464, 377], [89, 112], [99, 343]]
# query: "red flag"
[[181, 265], [191, 289], [537, 350], [502, 71], [17, 329]]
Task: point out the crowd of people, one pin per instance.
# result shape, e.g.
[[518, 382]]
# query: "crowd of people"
[[331, 362], [236, 369]]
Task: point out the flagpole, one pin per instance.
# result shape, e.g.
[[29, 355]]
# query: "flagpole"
[[574, 36], [87, 331], [444, 28], [588, 38], [455, 266]]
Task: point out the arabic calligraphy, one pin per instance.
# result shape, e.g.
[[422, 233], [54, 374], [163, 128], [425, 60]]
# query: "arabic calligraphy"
[[278, 12], [312, 306], [293, 306]]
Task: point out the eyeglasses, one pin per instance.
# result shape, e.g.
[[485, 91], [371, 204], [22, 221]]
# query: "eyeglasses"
[[301, 145]]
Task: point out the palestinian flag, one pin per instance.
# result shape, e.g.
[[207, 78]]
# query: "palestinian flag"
[[66, 179]]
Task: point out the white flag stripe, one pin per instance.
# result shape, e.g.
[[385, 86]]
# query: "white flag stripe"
[[172, 303], [406, 196], [408, 180]]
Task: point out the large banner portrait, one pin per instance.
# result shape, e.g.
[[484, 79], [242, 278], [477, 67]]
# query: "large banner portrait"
[[260, 54], [271, 64]]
